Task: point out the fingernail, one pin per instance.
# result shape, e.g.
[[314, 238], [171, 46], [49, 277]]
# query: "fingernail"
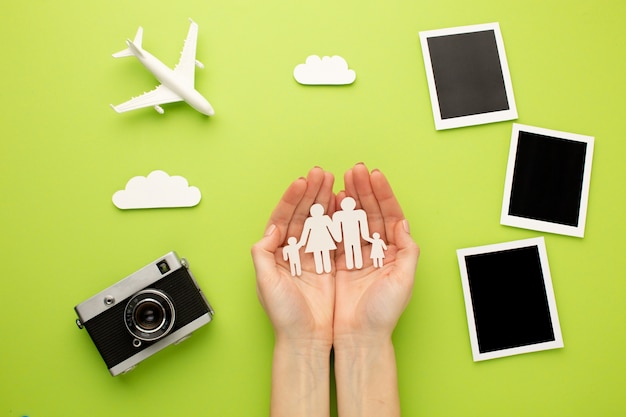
[[405, 225], [270, 230]]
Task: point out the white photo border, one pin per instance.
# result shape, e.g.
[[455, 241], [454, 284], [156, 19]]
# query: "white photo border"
[[540, 225], [537, 242], [476, 119]]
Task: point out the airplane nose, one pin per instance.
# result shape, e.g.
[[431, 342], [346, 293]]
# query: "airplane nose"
[[207, 109], [198, 102]]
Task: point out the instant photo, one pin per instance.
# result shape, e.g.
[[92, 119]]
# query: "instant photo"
[[547, 181], [509, 299], [468, 76]]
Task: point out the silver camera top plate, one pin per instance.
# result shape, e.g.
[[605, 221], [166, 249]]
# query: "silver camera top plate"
[[119, 291]]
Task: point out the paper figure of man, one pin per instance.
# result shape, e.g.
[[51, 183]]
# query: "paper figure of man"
[[352, 225]]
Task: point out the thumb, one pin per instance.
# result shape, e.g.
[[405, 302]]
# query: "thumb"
[[263, 250]]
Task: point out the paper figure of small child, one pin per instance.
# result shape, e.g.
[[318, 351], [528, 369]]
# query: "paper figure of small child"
[[378, 250], [291, 253]]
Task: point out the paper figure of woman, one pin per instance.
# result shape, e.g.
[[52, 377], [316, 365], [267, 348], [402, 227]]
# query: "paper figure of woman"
[[319, 236]]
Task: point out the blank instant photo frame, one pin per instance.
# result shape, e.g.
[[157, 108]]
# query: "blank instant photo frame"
[[468, 76], [509, 299], [547, 181]]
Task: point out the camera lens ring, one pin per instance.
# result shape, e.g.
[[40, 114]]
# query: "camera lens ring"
[[149, 315]]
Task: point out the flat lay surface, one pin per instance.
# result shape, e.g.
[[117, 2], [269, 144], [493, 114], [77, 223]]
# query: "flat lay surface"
[[64, 153]]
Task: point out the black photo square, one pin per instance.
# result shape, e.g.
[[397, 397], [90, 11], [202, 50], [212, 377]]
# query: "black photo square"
[[547, 181], [509, 299], [468, 76]]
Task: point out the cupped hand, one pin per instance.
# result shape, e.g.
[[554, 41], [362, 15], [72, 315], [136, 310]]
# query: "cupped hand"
[[300, 309], [369, 301]]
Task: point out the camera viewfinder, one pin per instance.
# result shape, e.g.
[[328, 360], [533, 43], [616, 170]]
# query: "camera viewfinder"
[[163, 267]]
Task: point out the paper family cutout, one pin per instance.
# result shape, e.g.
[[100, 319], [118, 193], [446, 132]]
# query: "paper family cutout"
[[328, 70], [321, 233], [157, 190]]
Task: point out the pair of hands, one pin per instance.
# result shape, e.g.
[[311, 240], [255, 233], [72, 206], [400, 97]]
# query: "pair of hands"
[[345, 307]]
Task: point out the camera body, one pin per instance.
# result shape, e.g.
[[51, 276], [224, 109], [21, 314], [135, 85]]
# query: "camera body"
[[156, 306]]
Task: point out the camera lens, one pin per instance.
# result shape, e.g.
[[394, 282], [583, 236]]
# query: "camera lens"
[[149, 315]]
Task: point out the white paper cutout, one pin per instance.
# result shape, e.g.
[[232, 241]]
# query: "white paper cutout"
[[320, 233], [324, 71], [291, 253], [352, 226], [378, 250], [157, 190]]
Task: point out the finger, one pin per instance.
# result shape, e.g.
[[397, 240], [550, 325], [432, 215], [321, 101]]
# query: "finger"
[[325, 193], [340, 196], [283, 214], [332, 205], [408, 251], [390, 210], [350, 189], [313, 182], [263, 253], [369, 202]]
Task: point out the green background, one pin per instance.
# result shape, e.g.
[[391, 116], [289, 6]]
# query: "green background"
[[64, 153]]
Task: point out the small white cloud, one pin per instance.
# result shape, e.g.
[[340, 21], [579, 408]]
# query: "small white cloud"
[[157, 190], [329, 70]]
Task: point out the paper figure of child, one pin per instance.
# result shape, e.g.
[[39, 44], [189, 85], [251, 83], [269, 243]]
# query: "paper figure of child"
[[291, 253], [378, 250], [352, 226], [319, 235]]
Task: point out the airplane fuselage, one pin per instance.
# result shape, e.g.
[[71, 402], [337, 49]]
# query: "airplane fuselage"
[[168, 78]]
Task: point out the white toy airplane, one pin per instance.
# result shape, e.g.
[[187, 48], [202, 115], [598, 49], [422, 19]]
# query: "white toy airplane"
[[176, 85]]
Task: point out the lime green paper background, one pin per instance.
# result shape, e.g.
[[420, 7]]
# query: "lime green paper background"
[[64, 153]]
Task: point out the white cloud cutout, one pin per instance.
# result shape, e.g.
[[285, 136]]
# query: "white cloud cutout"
[[324, 71], [157, 190]]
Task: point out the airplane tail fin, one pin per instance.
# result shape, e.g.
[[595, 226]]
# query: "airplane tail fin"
[[131, 50]]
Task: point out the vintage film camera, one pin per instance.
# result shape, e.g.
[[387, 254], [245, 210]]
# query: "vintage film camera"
[[156, 306]]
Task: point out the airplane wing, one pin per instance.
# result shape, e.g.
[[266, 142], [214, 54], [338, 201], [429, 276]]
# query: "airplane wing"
[[160, 95], [186, 66]]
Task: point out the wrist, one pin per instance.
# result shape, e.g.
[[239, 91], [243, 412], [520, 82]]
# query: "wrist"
[[305, 347], [366, 378], [361, 345], [359, 339], [300, 378]]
